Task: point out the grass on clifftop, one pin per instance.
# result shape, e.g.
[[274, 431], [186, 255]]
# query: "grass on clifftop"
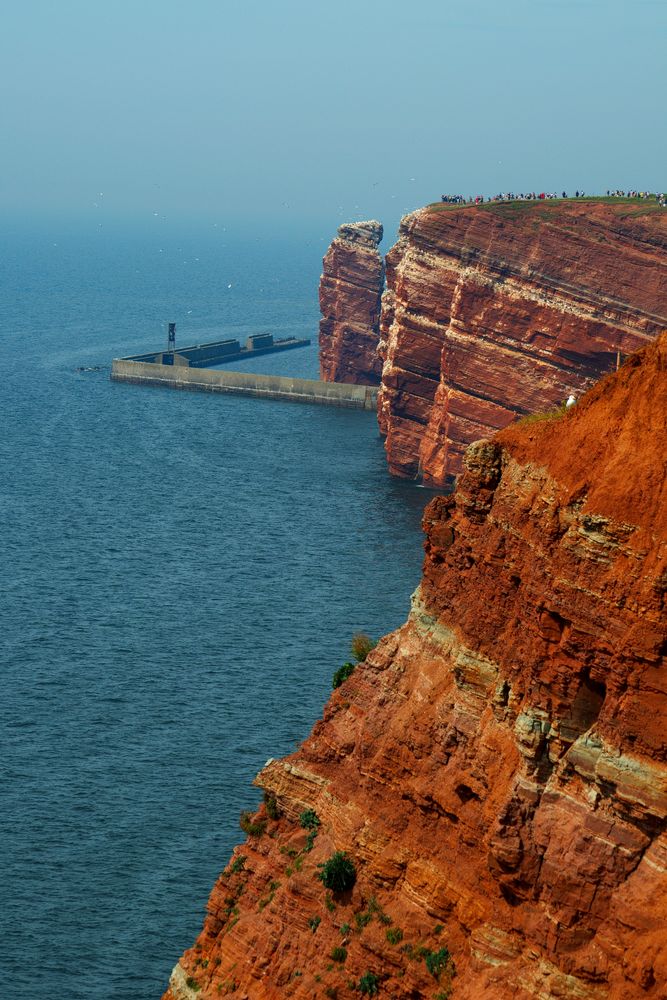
[[555, 413], [642, 206]]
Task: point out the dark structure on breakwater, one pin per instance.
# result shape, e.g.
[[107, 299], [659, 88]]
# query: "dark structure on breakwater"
[[218, 352]]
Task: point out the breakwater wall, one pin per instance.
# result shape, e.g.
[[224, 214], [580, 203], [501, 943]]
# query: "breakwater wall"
[[300, 390]]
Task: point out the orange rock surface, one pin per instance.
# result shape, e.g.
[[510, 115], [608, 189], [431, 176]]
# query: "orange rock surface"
[[495, 311], [350, 295], [497, 767]]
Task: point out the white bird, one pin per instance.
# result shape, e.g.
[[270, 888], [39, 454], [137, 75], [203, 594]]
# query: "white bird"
[[229, 286], [571, 400]]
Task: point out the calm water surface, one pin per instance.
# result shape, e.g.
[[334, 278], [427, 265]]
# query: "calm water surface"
[[181, 575]]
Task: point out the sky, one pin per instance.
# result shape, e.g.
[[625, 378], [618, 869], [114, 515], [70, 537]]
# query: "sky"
[[290, 113]]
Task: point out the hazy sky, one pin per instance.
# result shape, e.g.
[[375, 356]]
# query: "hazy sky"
[[301, 110]]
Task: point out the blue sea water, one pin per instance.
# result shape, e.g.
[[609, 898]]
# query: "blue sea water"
[[181, 574]]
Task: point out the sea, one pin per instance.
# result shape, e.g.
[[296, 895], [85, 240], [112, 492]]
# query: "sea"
[[181, 575]]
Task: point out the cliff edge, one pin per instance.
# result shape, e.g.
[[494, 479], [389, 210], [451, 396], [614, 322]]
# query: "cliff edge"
[[496, 770], [499, 310]]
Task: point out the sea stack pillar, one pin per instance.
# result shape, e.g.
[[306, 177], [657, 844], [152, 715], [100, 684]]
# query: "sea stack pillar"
[[350, 292]]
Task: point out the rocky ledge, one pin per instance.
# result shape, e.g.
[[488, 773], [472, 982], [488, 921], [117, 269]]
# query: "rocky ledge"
[[350, 296], [496, 770], [499, 310]]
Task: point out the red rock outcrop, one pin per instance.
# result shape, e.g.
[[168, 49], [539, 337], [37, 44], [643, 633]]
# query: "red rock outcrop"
[[350, 296], [499, 310], [497, 768]]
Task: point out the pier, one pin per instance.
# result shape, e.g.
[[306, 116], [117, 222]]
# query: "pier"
[[299, 390], [187, 368]]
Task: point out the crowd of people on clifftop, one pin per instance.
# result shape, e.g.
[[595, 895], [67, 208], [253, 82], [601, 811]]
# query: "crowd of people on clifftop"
[[480, 199], [636, 194]]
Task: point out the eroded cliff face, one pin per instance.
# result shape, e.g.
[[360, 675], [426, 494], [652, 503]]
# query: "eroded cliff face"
[[495, 311], [350, 296], [497, 768]]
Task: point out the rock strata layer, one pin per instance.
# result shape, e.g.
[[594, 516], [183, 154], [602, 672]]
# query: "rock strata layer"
[[497, 768], [496, 311], [350, 297]]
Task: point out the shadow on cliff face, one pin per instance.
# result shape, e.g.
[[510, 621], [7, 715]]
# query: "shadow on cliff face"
[[585, 710]]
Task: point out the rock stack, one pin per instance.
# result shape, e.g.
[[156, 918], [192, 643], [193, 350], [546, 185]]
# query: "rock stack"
[[350, 295]]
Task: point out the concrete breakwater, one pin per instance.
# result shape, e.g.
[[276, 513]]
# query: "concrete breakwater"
[[300, 390]]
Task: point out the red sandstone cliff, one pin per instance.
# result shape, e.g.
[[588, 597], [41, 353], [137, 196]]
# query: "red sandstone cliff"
[[499, 310], [497, 768], [350, 295]]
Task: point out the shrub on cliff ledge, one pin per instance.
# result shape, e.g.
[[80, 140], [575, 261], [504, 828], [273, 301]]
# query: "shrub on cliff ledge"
[[309, 819], [361, 646], [369, 984], [251, 829], [271, 805], [342, 674], [438, 962], [338, 873]]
